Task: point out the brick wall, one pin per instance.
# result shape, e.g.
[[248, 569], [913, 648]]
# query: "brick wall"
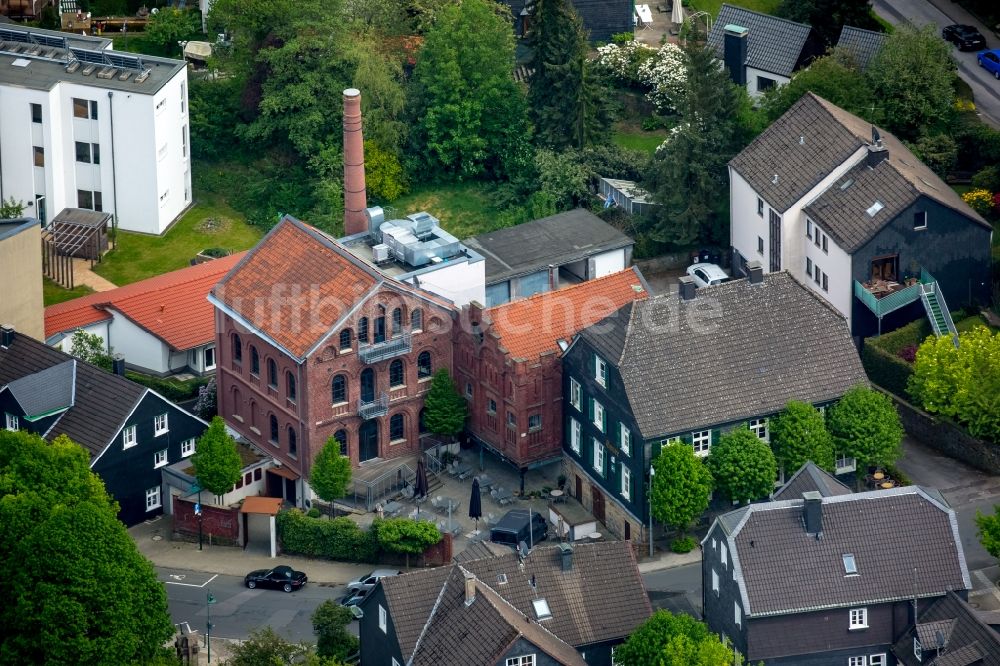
[[948, 438], [219, 525]]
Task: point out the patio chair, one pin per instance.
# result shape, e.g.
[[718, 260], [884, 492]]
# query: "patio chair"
[[491, 519], [408, 492]]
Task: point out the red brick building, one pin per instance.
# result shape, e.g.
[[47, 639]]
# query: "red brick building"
[[315, 343], [507, 363]]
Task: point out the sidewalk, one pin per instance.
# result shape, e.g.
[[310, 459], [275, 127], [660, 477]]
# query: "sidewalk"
[[155, 543], [665, 559]]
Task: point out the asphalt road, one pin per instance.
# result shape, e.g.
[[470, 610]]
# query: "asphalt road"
[[237, 611], [985, 88]]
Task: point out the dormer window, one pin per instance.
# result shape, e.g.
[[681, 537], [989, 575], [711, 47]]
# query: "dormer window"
[[850, 566], [600, 371], [542, 611]]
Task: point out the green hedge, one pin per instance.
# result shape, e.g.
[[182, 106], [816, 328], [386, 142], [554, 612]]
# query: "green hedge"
[[336, 539], [913, 334], [886, 369], [171, 389]]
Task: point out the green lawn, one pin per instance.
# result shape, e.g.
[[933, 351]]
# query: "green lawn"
[[641, 140], [210, 223], [465, 209], [53, 293], [713, 6]]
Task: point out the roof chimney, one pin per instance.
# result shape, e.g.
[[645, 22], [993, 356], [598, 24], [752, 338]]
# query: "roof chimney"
[[755, 271], [686, 288], [6, 335], [118, 365], [355, 200], [566, 552], [470, 588], [734, 53], [877, 152], [812, 512]]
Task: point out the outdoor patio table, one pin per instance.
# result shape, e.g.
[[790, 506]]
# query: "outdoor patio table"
[[392, 508], [447, 503], [557, 496]]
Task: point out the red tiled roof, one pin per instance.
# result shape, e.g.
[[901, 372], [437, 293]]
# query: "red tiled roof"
[[294, 286], [172, 306], [529, 327]]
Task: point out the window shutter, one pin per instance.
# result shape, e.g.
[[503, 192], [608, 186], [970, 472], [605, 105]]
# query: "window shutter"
[[590, 409]]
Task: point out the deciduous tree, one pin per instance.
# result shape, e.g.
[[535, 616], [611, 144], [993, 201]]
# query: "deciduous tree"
[[330, 622], [865, 425], [799, 434], [828, 17], [989, 530], [331, 472], [681, 486], [11, 208], [402, 535], [470, 118], [217, 464], [666, 639], [445, 409], [743, 466], [834, 77], [85, 595], [168, 26], [90, 348]]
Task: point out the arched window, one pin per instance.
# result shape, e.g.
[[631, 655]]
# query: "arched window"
[[396, 427], [417, 319], [237, 402], [341, 437], [345, 339], [272, 373], [424, 365], [378, 335], [363, 329], [338, 389], [293, 447], [397, 321], [290, 385], [274, 429], [396, 373], [253, 414], [237, 348], [254, 361]]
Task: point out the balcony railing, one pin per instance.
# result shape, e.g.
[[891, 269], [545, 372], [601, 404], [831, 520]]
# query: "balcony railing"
[[369, 409], [892, 301], [380, 351]]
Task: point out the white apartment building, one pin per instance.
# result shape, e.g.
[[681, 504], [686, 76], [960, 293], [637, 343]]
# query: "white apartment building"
[[84, 126]]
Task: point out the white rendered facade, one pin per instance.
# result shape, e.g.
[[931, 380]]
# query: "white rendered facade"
[[70, 140]]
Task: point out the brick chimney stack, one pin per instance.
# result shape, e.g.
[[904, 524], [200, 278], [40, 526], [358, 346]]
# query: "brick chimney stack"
[[355, 200]]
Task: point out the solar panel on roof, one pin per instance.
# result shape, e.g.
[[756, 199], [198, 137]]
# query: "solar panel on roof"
[[86, 55], [13, 35], [124, 61], [49, 40]]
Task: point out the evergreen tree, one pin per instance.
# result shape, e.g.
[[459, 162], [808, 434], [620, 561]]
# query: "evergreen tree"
[[445, 409], [689, 176], [217, 464], [566, 101]]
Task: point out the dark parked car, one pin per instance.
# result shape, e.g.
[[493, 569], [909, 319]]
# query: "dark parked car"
[[353, 598], [965, 37], [519, 525], [279, 578], [990, 61]]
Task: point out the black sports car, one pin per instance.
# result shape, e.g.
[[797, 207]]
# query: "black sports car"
[[280, 578], [965, 37]]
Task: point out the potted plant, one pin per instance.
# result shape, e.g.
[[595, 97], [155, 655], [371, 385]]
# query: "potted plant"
[[561, 480]]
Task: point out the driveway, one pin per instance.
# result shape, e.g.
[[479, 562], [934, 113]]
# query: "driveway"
[[939, 13], [966, 489]]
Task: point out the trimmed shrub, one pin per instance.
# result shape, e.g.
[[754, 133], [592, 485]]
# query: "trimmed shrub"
[[886, 369], [683, 544], [336, 539]]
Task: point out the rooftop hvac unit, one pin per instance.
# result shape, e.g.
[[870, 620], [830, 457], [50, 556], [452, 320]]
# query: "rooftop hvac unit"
[[423, 224], [380, 253], [375, 216]]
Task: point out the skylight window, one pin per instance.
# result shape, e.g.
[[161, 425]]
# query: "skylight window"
[[501, 579], [542, 609], [20, 62], [847, 183], [875, 208], [850, 566]]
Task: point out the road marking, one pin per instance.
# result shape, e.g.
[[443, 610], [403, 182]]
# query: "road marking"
[[181, 576]]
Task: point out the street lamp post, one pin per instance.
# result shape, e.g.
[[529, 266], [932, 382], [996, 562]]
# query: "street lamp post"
[[209, 600], [197, 512], [652, 473]]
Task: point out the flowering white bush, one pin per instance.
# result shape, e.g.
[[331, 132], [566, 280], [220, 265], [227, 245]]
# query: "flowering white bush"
[[622, 61], [664, 74], [671, 133]]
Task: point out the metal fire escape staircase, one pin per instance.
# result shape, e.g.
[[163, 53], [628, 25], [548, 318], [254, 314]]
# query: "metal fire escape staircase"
[[937, 311]]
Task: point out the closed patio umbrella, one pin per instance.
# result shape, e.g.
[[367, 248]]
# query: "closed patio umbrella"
[[475, 504], [677, 15], [420, 483]]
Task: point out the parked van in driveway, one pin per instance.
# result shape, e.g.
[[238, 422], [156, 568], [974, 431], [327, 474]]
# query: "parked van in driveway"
[[513, 528]]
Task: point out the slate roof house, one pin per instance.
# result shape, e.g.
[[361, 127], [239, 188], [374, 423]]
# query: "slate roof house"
[[549, 253], [690, 367], [601, 18], [949, 632], [129, 430], [316, 343], [162, 325], [560, 605], [810, 478], [508, 365], [850, 212], [861, 44], [829, 581], [759, 50]]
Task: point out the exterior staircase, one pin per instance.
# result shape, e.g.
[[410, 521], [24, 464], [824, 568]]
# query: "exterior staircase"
[[937, 311]]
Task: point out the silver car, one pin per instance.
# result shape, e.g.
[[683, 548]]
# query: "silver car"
[[368, 581]]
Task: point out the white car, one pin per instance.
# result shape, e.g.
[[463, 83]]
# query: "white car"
[[705, 275]]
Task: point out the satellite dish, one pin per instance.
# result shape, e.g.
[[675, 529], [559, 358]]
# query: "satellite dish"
[[522, 548]]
